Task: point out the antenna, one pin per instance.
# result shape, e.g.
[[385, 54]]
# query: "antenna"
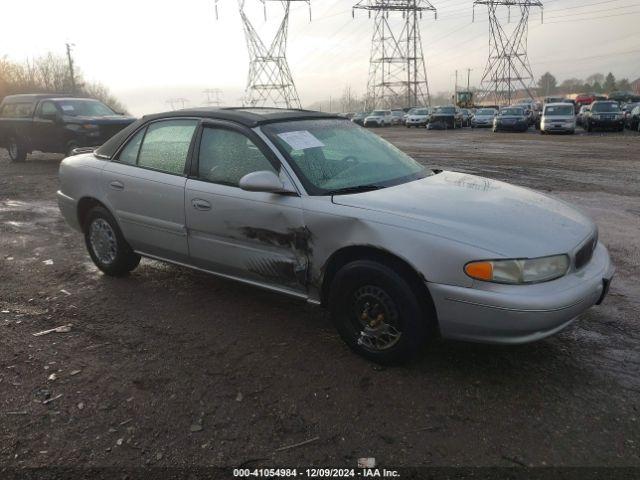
[[397, 72], [508, 65]]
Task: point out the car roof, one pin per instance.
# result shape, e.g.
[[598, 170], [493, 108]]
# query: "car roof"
[[556, 104], [247, 116], [34, 97]]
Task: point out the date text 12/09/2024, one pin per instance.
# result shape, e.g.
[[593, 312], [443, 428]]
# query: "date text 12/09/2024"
[[315, 473]]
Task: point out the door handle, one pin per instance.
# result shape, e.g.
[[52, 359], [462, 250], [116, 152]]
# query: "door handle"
[[200, 204], [116, 185]]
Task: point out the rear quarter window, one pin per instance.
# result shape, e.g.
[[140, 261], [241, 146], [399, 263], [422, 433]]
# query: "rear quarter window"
[[17, 110]]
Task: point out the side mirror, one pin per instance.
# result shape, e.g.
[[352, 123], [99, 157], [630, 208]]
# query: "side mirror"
[[263, 181]]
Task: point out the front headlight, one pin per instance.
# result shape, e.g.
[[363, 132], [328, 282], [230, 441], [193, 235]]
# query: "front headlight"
[[519, 271]]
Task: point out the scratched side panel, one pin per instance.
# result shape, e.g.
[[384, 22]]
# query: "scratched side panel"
[[252, 235], [332, 227]]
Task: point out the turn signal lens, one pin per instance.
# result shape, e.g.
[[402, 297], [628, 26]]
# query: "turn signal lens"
[[480, 270], [519, 271]]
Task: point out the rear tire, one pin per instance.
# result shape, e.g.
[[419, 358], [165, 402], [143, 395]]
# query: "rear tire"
[[378, 313], [17, 151], [106, 245]]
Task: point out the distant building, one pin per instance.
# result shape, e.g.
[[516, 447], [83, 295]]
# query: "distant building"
[[635, 86]]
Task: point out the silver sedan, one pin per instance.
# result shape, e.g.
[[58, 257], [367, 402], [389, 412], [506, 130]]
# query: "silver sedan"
[[314, 206]]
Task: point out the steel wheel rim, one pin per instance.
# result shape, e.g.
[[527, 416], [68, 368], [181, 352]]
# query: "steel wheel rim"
[[376, 319], [103, 241]]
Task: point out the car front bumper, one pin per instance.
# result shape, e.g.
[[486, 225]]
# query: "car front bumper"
[[558, 127], [516, 126], [481, 123], [513, 314], [607, 124]]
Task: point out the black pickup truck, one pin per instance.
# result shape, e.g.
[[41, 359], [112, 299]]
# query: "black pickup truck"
[[55, 124]]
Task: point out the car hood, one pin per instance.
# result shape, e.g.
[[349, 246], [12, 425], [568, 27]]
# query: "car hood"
[[417, 117], [510, 221], [510, 117], [483, 117]]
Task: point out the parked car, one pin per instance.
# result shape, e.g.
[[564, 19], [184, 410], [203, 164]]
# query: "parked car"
[[511, 119], [417, 117], [55, 124], [632, 122], [397, 117], [310, 205], [358, 118], [483, 117], [379, 118], [605, 115], [584, 100], [558, 117], [581, 114], [466, 117], [448, 116]]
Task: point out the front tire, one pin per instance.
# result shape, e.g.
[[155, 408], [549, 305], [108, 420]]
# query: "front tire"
[[378, 313], [17, 151], [106, 245]]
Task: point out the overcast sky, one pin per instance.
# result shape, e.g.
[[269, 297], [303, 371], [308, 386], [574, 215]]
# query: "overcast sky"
[[149, 51]]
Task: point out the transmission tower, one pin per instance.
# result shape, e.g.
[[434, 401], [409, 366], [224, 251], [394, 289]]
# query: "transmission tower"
[[397, 72], [508, 68], [269, 82], [213, 96]]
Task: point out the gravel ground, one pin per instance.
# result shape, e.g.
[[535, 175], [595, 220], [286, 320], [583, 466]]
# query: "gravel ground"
[[171, 367]]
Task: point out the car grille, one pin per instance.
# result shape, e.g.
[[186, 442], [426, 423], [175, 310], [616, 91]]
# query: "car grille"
[[583, 256]]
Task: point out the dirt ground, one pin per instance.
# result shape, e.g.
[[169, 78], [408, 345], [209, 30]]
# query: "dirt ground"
[[172, 367]]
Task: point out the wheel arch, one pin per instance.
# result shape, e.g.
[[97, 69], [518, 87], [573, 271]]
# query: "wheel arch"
[[85, 205], [352, 253]]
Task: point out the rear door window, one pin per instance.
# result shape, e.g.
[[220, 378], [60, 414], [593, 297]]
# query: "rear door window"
[[166, 145], [17, 110]]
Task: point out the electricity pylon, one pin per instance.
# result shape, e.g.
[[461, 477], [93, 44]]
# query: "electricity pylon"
[[269, 81], [397, 72], [508, 68]]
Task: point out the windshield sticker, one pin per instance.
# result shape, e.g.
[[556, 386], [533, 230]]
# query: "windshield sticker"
[[301, 140], [67, 108]]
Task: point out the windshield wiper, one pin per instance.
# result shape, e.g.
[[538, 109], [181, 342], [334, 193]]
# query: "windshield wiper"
[[355, 189]]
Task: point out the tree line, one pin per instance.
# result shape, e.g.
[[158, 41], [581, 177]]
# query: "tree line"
[[50, 74], [595, 83]]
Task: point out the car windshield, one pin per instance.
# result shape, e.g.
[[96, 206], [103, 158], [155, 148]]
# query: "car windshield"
[[332, 155], [512, 111], [85, 108], [397, 113], [378, 113], [605, 107], [557, 110], [446, 110], [419, 111], [486, 111]]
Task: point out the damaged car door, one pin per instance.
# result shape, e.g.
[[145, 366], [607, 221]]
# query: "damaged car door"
[[256, 236]]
